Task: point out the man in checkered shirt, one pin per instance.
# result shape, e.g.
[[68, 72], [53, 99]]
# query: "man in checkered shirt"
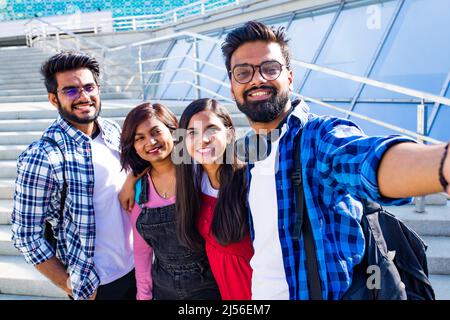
[[93, 258], [340, 165]]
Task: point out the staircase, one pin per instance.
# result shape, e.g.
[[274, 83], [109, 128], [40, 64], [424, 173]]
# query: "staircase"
[[21, 81], [25, 113]]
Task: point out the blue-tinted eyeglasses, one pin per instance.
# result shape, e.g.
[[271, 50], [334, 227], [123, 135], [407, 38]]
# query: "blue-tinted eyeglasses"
[[73, 93]]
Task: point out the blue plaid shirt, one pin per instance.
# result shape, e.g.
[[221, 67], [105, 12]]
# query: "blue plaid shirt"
[[37, 198], [339, 166]]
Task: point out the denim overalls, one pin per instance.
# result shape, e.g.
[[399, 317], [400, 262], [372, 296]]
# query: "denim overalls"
[[177, 272]]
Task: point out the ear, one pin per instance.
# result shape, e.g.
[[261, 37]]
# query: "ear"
[[53, 100], [230, 135], [232, 93], [291, 80]]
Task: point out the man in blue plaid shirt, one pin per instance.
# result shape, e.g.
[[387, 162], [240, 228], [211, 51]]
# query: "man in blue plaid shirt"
[[340, 166], [93, 258]]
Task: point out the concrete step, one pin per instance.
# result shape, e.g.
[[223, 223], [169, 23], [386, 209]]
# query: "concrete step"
[[18, 86], [441, 286], [17, 92], [6, 245], [28, 125], [5, 211], [22, 98], [33, 80], [434, 222], [19, 278], [14, 138], [438, 254], [30, 76], [6, 189], [31, 60], [11, 152], [7, 169]]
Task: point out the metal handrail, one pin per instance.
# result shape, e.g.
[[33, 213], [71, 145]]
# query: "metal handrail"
[[374, 83]]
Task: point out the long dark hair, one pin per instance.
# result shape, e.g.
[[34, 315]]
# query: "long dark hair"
[[230, 221], [129, 159]]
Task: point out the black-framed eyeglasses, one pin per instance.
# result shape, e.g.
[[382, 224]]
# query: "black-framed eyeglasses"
[[269, 70], [73, 93]]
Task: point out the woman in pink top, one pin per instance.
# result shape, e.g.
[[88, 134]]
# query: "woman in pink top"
[[165, 269], [211, 197]]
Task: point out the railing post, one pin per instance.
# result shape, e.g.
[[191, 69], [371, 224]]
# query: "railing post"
[[134, 24], [174, 17], [58, 43], [422, 130], [141, 74], [202, 7], [197, 68]]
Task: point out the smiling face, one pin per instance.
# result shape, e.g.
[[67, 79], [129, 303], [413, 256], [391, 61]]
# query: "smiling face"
[[82, 110], [207, 138], [153, 141], [261, 100]]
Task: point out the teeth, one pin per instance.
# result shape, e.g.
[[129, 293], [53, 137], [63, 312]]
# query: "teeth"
[[261, 93]]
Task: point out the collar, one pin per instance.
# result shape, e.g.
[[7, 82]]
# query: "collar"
[[79, 136], [299, 115]]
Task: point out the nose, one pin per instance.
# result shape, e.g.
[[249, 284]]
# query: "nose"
[[152, 141], [84, 96], [257, 77], [206, 138]]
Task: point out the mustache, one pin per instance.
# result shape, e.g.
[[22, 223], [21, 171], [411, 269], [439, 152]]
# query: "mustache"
[[273, 90]]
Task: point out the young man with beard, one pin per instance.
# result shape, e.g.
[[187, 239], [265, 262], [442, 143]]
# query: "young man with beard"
[[93, 258], [340, 166]]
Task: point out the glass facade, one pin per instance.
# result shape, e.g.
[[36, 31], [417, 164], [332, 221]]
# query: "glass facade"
[[402, 42]]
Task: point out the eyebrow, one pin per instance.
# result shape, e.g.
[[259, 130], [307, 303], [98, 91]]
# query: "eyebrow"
[[211, 125], [71, 87], [151, 129]]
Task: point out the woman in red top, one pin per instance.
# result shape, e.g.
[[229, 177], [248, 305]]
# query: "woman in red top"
[[215, 213]]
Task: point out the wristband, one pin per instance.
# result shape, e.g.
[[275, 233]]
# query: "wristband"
[[442, 179]]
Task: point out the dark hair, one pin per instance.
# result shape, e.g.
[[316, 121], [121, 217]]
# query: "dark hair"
[[66, 61], [129, 159], [255, 31], [230, 221]]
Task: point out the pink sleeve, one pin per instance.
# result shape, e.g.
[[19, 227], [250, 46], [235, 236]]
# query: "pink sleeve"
[[143, 256]]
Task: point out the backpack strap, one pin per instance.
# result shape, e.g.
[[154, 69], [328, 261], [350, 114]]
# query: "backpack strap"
[[64, 189], [303, 223]]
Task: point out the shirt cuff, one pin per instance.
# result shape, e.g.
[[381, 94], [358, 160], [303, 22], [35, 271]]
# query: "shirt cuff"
[[369, 170], [40, 251]]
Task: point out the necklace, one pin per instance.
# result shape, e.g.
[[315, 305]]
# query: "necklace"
[[163, 194]]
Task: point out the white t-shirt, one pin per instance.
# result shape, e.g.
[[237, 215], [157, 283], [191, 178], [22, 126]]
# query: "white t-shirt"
[[207, 188], [269, 279], [113, 254]]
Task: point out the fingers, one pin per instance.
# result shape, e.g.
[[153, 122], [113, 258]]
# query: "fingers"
[[130, 204]]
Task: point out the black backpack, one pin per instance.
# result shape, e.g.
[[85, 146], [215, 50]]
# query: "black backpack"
[[392, 248], [48, 231]]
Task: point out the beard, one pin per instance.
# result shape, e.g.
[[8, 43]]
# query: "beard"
[[70, 117], [267, 110]]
